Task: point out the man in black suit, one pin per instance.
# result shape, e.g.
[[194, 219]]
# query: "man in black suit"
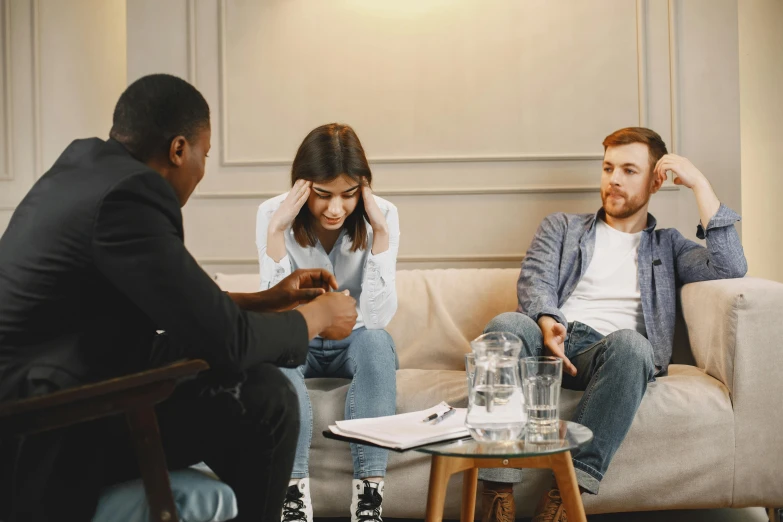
[[93, 263]]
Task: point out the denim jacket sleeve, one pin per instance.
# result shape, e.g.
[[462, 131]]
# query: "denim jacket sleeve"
[[538, 279], [722, 258]]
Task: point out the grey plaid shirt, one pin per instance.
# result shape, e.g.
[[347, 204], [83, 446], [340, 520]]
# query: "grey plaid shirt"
[[563, 246]]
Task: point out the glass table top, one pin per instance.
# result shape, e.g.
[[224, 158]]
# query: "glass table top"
[[569, 436]]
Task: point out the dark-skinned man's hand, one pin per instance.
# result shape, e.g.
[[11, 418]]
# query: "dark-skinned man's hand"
[[299, 288]]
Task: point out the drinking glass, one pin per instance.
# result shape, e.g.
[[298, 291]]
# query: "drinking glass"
[[541, 379]]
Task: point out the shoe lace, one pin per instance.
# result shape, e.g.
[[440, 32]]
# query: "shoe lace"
[[500, 508], [551, 508], [369, 507], [293, 507]]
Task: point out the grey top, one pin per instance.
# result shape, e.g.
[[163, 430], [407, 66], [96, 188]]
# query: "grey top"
[[563, 247]]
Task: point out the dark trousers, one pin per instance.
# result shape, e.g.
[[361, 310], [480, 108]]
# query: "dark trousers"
[[245, 432]]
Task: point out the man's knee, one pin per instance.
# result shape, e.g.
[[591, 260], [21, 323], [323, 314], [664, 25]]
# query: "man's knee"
[[634, 348], [520, 325], [267, 390]]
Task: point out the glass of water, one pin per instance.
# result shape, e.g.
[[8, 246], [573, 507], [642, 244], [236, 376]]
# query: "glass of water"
[[541, 378]]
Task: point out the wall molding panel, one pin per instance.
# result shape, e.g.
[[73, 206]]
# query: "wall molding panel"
[[674, 86], [192, 42], [7, 173], [226, 159], [457, 258], [460, 191], [37, 117]]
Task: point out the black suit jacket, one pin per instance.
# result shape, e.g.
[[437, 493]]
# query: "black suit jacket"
[[93, 263]]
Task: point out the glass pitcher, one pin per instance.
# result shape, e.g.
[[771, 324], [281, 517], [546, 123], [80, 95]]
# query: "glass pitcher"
[[496, 405]]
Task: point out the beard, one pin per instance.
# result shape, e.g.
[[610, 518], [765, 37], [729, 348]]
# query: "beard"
[[625, 207]]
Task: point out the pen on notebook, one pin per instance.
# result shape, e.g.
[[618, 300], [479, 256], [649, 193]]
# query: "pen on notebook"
[[444, 416], [437, 418]]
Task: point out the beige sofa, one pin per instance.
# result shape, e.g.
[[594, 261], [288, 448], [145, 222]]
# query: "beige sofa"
[[710, 434]]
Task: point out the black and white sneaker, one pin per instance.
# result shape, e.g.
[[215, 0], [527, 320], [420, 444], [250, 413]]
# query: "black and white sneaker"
[[367, 499], [297, 505]]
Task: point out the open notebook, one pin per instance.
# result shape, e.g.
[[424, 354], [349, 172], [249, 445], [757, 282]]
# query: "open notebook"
[[404, 431]]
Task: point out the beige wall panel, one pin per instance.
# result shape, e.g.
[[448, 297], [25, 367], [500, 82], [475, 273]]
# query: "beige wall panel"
[[435, 176], [82, 53], [18, 167], [6, 110], [761, 83], [449, 79], [708, 85], [158, 38], [446, 229]]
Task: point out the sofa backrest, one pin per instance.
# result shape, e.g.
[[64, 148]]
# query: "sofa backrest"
[[439, 311]]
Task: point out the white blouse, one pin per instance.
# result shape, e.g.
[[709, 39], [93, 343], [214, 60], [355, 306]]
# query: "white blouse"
[[369, 278]]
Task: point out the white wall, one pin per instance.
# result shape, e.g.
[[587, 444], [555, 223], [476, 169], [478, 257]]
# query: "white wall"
[[761, 109], [64, 67]]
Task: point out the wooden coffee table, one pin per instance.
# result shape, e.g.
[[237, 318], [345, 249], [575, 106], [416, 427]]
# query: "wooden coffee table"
[[468, 456]]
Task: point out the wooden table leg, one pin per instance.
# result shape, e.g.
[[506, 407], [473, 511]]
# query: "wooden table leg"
[[569, 488], [469, 487], [436, 496]]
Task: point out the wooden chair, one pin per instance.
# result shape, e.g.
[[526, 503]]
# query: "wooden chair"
[[134, 395]]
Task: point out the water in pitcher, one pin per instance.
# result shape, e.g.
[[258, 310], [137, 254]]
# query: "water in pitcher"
[[497, 413], [496, 406]]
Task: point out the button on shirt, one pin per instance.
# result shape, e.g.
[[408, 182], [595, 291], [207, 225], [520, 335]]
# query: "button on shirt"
[[369, 278]]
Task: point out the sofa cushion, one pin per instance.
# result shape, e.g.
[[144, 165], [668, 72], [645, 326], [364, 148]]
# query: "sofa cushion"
[[198, 495]]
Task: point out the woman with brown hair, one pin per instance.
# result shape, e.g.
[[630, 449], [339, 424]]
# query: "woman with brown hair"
[[330, 219]]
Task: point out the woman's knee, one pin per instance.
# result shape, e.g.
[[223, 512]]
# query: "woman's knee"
[[374, 348]]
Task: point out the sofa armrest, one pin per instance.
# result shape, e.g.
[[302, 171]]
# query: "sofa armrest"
[[735, 328]]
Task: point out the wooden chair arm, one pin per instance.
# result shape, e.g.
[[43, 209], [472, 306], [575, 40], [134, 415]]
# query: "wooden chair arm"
[[92, 401], [134, 395]]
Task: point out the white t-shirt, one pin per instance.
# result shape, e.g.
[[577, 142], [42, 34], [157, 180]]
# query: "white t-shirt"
[[608, 298]]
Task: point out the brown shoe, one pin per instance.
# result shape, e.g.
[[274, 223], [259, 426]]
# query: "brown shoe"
[[497, 506], [550, 508]]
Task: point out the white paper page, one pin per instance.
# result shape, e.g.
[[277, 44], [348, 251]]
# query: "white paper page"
[[406, 429]]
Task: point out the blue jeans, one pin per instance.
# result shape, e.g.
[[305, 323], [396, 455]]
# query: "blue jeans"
[[369, 359], [612, 370]]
